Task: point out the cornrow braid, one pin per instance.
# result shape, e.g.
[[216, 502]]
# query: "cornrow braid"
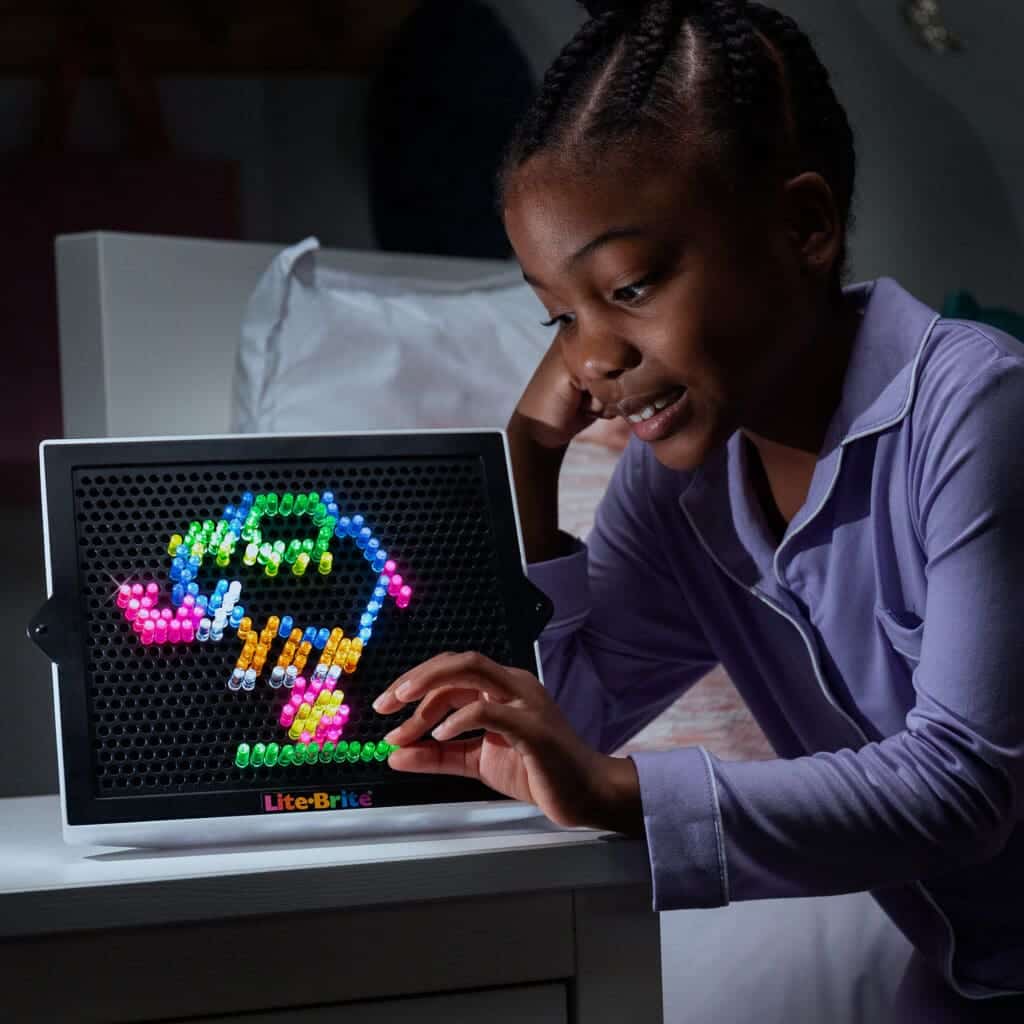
[[594, 36], [653, 38], [732, 37], [823, 129]]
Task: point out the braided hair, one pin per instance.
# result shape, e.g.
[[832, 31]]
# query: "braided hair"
[[737, 75]]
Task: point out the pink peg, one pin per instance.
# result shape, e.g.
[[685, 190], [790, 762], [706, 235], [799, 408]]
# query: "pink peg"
[[132, 610], [148, 632], [161, 631], [124, 595], [389, 567], [174, 631]]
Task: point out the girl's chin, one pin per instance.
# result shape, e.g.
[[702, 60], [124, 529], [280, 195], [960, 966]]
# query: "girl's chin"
[[688, 448], [684, 451]]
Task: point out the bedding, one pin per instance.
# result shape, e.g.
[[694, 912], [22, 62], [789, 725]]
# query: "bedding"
[[328, 350]]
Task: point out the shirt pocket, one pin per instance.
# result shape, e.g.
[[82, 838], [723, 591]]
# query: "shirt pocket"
[[904, 630]]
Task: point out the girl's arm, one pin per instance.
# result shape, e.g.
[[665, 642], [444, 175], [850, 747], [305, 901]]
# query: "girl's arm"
[[623, 643]]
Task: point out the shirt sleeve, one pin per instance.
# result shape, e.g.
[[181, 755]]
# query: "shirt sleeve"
[[946, 791], [623, 644]]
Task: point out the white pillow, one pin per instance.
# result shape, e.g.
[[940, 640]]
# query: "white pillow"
[[325, 351]]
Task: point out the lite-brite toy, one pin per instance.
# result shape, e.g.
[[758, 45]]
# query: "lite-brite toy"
[[223, 612]]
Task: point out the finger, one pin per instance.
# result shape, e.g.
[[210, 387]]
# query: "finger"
[[429, 712], [509, 722], [462, 757], [457, 758], [468, 668]]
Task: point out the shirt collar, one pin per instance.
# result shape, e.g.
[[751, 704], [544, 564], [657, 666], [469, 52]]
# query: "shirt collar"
[[879, 380]]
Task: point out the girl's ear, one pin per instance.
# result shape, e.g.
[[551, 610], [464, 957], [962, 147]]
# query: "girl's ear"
[[813, 223]]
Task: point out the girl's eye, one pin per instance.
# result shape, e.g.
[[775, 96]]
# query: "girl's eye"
[[563, 319], [631, 293]]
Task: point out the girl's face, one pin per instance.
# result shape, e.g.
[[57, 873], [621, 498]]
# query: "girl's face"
[[657, 285]]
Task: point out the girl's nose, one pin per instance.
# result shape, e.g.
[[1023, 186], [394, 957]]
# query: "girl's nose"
[[601, 356]]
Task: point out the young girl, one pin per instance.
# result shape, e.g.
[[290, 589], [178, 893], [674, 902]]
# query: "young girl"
[[824, 492]]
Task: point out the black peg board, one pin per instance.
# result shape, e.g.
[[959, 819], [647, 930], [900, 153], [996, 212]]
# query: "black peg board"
[[149, 731]]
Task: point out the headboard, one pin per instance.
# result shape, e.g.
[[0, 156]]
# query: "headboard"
[[149, 325]]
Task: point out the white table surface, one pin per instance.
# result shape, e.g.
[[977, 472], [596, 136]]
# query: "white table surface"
[[47, 885]]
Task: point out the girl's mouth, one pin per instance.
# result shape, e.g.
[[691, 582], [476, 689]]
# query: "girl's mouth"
[[661, 417]]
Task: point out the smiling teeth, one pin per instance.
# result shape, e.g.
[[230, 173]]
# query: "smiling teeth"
[[648, 411], [645, 414]]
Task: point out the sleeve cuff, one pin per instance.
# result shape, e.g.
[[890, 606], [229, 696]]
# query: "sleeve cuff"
[[565, 581], [683, 824]]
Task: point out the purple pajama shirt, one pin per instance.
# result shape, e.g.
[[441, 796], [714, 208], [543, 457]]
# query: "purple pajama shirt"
[[880, 647]]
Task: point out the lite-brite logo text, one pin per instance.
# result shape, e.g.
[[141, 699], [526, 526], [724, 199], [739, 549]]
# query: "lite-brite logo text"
[[319, 801], [313, 715]]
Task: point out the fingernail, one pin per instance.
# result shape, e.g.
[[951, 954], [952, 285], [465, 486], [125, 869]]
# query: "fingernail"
[[376, 704], [390, 737], [405, 689]]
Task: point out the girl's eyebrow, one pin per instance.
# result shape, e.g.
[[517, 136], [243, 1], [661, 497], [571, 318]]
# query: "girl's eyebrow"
[[611, 235]]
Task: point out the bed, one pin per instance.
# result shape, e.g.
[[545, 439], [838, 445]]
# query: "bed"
[[187, 336]]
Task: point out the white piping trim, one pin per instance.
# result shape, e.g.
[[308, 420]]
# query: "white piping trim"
[[911, 391], [771, 604], [895, 418], [812, 516], [719, 832]]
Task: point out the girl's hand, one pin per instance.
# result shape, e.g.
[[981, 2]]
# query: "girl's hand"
[[554, 408], [529, 752]]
